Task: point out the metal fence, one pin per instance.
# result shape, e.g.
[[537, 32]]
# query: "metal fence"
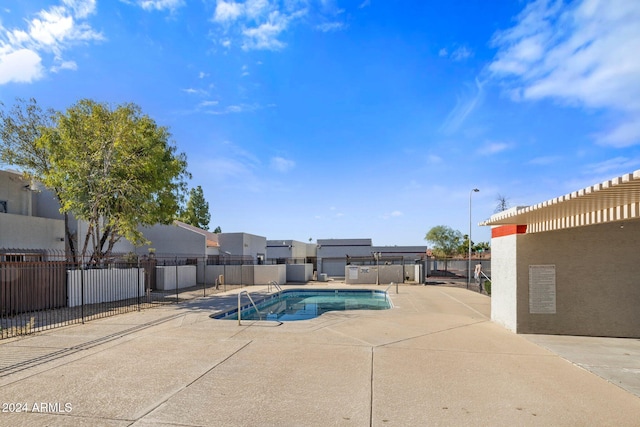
[[381, 260], [41, 290], [231, 260], [456, 268]]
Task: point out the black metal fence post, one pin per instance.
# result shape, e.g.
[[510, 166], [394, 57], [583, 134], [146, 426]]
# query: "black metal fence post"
[[177, 297], [138, 281], [82, 292]]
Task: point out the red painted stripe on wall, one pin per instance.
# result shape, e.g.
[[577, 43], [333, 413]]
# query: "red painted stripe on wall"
[[508, 230]]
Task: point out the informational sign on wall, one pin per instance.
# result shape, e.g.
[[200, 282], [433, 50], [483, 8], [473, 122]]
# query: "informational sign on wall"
[[353, 272], [542, 289]]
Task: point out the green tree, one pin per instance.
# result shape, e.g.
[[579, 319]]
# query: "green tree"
[[464, 246], [218, 230], [482, 246], [114, 169], [446, 242], [196, 212], [22, 144]]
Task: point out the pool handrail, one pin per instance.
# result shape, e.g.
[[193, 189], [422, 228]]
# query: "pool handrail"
[[275, 285], [390, 285], [253, 303]]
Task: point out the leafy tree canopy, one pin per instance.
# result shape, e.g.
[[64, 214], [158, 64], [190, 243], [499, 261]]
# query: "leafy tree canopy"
[[482, 246], [196, 212], [446, 241], [113, 168], [475, 247]]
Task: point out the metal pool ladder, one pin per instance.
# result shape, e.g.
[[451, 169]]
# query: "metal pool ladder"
[[275, 285], [386, 294], [390, 285], [253, 303]]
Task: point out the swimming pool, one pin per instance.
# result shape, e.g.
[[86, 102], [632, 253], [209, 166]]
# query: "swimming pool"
[[303, 304]]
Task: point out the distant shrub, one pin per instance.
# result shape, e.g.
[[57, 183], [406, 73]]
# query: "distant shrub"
[[487, 287]]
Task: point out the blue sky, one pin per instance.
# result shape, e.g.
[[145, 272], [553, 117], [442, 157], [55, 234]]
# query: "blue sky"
[[351, 119]]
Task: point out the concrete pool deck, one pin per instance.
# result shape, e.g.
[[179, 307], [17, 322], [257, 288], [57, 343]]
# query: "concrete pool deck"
[[434, 359]]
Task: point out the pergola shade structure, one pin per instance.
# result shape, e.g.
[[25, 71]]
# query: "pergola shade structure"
[[569, 265], [611, 201]]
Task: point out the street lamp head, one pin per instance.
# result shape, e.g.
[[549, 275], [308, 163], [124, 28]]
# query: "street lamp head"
[[475, 190]]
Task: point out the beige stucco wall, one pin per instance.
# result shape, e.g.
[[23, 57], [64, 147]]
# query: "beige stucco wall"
[[28, 232], [299, 273], [504, 281], [597, 280], [170, 240], [263, 274], [367, 274]]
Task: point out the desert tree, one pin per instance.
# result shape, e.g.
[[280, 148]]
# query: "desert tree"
[[502, 203]]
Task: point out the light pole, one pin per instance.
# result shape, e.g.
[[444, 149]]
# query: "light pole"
[[475, 190]]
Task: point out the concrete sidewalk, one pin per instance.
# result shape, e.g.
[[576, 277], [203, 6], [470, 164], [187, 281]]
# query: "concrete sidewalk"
[[434, 359]]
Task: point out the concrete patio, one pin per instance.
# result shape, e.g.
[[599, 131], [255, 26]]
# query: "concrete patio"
[[434, 359]]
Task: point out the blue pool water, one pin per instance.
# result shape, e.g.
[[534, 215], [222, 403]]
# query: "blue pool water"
[[306, 304]]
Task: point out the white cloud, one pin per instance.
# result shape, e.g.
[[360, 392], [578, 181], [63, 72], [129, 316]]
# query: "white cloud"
[[364, 4], [614, 166], [281, 164], [227, 11], [192, 91], [81, 8], [578, 54], [331, 26], [170, 5], [48, 35], [65, 65], [623, 134], [21, 66], [237, 108], [434, 159], [265, 36], [461, 53], [51, 28], [545, 160], [465, 105], [256, 8], [394, 214], [493, 147], [256, 24]]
